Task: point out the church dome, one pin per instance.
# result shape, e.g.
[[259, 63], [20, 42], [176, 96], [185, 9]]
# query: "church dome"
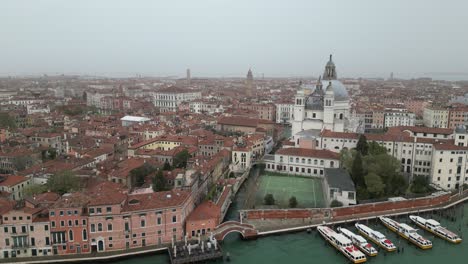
[[339, 90]]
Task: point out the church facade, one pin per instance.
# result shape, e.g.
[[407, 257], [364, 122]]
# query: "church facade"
[[327, 106]]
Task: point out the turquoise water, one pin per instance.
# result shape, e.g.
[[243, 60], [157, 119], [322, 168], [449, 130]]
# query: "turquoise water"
[[311, 248]]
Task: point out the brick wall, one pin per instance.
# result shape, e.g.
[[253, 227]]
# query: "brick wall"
[[347, 211]]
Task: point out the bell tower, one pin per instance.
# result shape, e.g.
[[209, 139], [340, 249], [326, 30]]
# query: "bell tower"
[[330, 70]]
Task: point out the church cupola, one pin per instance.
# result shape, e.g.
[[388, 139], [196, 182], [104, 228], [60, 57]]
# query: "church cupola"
[[319, 85], [330, 70]]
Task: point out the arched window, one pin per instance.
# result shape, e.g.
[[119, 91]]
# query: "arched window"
[[99, 227], [341, 116], [332, 164]]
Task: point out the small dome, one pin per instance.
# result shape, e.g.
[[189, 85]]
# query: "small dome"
[[460, 129]]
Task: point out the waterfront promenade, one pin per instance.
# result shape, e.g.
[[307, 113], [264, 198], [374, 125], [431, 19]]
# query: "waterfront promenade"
[[296, 220]]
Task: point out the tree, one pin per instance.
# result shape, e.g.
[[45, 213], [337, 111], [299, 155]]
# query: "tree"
[[34, 189], [269, 199], [139, 174], [7, 121], [374, 184], [420, 185], [293, 202], [357, 171], [180, 159], [336, 203], [167, 166], [232, 175], [63, 182], [376, 149], [159, 182], [22, 162], [362, 145]]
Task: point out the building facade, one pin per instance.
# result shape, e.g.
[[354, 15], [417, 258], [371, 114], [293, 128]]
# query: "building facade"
[[326, 107]]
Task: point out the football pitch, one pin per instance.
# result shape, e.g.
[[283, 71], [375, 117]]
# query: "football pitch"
[[308, 191]]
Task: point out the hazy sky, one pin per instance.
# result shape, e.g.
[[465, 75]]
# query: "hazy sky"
[[225, 38]]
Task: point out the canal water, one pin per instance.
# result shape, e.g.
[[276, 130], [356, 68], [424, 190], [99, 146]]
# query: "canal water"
[[303, 247], [308, 248]]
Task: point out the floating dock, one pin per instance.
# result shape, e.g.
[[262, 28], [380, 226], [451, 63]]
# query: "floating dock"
[[195, 251]]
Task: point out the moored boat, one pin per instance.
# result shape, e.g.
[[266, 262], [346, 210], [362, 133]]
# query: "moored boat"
[[359, 242], [342, 244], [434, 227], [407, 232], [376, 237]]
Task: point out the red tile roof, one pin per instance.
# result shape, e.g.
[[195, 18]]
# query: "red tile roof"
[[158, 200], [12, 180], [314, 153]]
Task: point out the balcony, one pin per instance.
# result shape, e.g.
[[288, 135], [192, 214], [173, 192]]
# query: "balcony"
[[20, 246]]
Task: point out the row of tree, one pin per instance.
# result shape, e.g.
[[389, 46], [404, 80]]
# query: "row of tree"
[[269, 199], [375, 173]]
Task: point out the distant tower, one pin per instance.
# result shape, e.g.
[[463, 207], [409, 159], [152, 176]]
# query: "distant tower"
[[189, 78], [391, 76], [330, 70], [249, 83]]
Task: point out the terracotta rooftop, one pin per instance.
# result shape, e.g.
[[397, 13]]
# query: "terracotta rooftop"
[[157, 200], [313, 153], [11, 180]]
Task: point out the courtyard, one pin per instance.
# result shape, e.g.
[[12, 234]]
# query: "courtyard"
[[308, 191]]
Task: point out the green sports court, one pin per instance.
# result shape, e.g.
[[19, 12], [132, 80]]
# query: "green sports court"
[[308, 191]]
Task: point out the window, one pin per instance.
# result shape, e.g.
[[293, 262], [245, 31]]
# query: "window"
[[142, 223], [85, 235], [93, 228], [62, 223], [52, 223], [84, 222], [174, 219], [31, 228], [159, 221], [91, 210], [109, 227], [99, 210], [61, 213], [108, 209], [5, 229], [70, 235], [127, 226], [52, 213], [99, 227]]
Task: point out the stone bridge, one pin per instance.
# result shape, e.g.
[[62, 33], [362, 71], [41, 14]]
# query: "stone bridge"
[[247, 231]]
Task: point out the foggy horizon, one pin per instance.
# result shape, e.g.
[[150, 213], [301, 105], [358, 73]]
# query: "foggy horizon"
[[226, 38]]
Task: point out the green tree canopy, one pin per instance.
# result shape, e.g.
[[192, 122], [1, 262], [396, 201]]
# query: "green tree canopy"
[[139, 174], [420, 184], [159, 182], [269, 199], [336, 203], [357, 171], [375, 185], [63, 182], [362, 145], [180, 159], [6, 121], [34, 189], [376, 149], [293, 202]]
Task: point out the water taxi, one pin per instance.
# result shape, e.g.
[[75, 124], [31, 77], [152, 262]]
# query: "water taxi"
[[359, 242], [376, 237], [407, 232], [342, 244], [434, 227]]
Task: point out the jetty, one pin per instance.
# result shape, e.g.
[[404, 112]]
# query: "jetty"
[[195, 251]]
